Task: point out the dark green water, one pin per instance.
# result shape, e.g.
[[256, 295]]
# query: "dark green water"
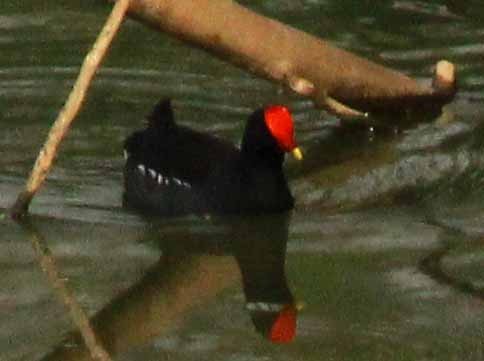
[[385, 248]]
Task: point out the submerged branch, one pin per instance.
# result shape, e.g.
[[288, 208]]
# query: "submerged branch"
[[336, 80]]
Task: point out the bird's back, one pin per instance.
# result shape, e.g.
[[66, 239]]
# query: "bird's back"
[[172, 169]]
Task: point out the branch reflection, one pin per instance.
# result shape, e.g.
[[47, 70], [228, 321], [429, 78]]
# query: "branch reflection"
[[194, 268]]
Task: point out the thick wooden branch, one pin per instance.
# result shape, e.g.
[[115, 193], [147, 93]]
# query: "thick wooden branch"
[[335, 79]]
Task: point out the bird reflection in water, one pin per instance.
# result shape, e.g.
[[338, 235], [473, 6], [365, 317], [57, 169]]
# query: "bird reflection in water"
[[195, 266]]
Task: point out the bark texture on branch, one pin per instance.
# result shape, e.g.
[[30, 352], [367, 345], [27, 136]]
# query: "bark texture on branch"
[[310, 66]]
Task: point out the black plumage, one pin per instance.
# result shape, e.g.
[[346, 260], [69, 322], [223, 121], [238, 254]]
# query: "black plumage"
[[173, 170]]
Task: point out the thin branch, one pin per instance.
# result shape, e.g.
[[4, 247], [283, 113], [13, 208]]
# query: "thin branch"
[[69, 111], [304, 87], [343, 111]]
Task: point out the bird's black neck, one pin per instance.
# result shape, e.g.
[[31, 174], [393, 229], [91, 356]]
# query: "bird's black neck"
[[265, 157], [258, 145]]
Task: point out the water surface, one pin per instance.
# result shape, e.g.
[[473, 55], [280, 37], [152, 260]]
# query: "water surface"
[[384, 248]]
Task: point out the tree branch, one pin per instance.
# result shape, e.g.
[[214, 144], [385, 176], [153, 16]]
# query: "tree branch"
[[67, 114], [335, 79]]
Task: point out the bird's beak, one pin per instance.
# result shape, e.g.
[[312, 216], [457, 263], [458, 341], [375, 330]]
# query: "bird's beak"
[[296, 153]]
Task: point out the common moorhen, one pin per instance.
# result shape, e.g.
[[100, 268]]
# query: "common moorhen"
[[173, 170]]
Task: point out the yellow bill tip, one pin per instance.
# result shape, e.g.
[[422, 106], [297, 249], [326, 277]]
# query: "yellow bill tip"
[[300, 305], [297, 154]]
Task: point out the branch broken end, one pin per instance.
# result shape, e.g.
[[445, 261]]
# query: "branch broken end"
[[445, 81]]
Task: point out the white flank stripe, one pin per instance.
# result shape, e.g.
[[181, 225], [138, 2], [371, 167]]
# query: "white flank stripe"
[[142, 169], [264, 306], [152, 173]]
